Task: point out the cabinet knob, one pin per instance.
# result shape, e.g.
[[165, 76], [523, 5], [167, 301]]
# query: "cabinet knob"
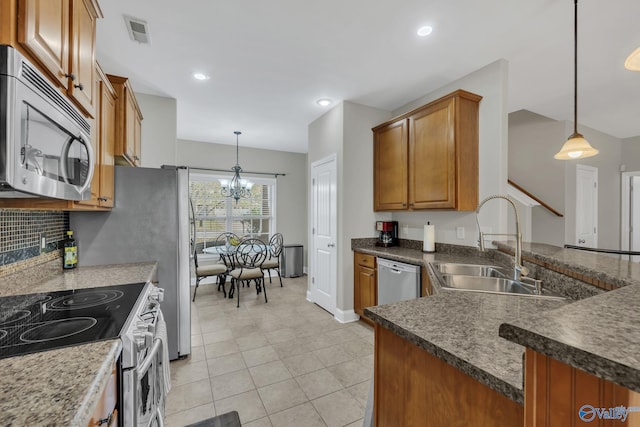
[[79, 86], [410, 204], [404, 205], [102, 199], [71, 76]]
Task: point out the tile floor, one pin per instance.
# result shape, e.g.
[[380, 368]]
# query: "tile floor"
[[284, 363]]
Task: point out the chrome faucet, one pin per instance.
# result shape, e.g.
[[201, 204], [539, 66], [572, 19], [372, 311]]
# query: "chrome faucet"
[[519, 269]]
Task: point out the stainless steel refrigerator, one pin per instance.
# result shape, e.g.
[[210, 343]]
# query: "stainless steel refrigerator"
[[149, 222]]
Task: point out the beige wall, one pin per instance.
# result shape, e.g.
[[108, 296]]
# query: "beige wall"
[[291, 190], [491, 83], [631, 153]]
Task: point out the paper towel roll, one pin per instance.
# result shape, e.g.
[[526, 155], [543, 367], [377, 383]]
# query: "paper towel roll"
[[429, 242]]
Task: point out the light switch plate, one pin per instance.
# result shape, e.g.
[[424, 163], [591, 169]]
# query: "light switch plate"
[[460, 233]]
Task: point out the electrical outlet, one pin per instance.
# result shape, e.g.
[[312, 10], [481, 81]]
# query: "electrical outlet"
[[405, 229], [460, 233], [43, 241]]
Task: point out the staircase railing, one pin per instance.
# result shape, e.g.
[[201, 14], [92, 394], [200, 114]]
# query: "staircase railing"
[[543, 204]]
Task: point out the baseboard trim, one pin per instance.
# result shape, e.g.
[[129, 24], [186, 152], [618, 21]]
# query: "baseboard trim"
[[346, 316], [309, 297]]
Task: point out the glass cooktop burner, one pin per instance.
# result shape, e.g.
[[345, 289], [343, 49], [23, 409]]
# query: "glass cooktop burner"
[[85, 300], [38, 322]]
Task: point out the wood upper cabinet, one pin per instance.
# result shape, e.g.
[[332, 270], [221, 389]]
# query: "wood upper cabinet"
[[390, 157], [60, 35], [128, 123], [43, 30], [103, 141], [438, 168], [364, 284]]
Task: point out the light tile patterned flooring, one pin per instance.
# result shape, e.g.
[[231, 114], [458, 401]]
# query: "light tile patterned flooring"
[[284, 363]]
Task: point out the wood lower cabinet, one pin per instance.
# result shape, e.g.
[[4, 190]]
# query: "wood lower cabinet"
[[364, 284], [426, 287], [415, 388], [554, 393], [128, 123], [428, 158]]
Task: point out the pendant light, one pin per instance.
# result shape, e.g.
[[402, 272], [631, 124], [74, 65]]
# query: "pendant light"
[[238, 187], [576, 147]]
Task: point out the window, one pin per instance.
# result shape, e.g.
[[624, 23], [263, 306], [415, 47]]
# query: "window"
[[214, 214]]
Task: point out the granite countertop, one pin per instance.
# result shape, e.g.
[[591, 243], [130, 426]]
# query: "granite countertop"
[[606, 268], [461, 328], [598, 334], [61, 386]]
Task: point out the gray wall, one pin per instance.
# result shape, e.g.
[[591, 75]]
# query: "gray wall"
[[291, 190], [159, 130], [631, 153], [533, 140]]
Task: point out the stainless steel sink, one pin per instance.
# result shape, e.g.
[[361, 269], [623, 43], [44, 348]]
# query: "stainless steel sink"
[[470, 269], [484, 278]]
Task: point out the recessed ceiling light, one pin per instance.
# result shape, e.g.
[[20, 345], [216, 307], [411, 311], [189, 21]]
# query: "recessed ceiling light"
[[323, 102], [200, 76], [425, 31]]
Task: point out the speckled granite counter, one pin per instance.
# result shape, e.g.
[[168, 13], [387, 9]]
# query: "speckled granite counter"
[[461, 328], [598, 334], [605, 268], [60, 387]]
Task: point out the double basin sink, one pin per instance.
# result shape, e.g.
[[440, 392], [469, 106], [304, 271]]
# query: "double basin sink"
[[485, 278]]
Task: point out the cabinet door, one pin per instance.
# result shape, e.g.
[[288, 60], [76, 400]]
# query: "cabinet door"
[[108, 140], [432, 154], [390, 167], [43, 30], [83, 56], [137, 138], [367, 286], [130, 127]]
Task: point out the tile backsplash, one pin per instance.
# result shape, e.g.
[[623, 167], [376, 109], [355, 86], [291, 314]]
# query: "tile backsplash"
[[21, 233]]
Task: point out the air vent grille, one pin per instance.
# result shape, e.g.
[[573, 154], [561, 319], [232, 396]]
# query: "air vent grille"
[[49, 93], [138, 29]]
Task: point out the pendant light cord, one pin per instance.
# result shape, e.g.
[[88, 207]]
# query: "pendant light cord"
[[575, 67]]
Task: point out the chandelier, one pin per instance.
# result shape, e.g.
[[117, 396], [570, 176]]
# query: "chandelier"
[[576, 147], [238, 187]]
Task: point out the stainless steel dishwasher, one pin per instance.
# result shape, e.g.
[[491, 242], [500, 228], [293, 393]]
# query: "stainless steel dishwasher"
[[397, 281]]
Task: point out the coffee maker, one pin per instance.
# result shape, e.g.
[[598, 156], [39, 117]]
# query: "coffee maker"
[[387, 233]]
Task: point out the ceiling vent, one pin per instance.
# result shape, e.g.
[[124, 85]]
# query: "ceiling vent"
[[138, 29]]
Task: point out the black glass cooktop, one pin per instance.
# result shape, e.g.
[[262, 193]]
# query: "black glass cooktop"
[[44, 321]]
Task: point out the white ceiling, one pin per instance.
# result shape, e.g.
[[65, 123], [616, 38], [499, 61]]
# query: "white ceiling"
[[269, 61]]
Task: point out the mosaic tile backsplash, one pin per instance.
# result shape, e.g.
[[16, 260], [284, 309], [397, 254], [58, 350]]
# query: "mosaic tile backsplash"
[[21, 232]]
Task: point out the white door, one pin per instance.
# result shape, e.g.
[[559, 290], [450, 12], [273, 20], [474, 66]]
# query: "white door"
[[586, 206], [634, 215], [324, 233]]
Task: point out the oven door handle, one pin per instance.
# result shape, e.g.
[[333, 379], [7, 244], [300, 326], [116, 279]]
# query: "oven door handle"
[[144, 366]]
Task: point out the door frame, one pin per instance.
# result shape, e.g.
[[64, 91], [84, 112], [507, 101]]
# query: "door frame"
[[595, 206], [625, 198], [332, 158]]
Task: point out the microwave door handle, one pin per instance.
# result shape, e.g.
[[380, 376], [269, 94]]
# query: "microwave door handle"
[[63, 157], [62, 163], [92, 163]]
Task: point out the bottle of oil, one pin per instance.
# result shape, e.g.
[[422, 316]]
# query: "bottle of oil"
[[70, 252]]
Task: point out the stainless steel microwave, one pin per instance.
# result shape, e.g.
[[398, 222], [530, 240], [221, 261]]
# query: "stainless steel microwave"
[[45, 142]]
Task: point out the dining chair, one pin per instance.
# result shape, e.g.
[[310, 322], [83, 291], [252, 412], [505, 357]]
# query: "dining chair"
[[273, 261], [209, 270], [249, 256]]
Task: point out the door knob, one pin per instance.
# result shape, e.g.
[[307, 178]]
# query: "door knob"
[[582, 241], [331, 245]]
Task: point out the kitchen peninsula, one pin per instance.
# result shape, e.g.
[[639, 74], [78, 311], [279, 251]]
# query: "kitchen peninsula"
[[449, 351], [62, 386]]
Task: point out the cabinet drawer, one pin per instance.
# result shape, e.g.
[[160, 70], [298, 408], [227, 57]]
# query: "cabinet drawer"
[[365, 260]]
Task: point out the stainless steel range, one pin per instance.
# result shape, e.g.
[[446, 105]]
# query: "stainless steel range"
[[46, 321], [144, 361]]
